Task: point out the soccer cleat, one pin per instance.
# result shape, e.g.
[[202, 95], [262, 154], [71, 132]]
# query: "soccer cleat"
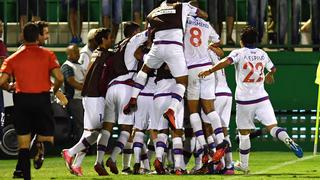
[[220, 151], [295, 148], [238, 166], [158, 166], [228, 171], [76, 171], [169, 115], [17, 174], [180, 172], [205, 156], [67, 158], [127, 171], [39, 157], [203, 170], [99, 168], [112, 165], [131, 106], [136, 168]]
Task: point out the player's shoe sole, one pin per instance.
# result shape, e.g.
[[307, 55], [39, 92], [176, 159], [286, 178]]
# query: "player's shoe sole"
[[99, 168], [159, 167], [76, 171], [112, 165], [295, 148], [67, 158], [169, 115]]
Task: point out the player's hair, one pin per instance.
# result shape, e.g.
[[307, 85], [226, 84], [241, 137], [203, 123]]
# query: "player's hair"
[[248, 35], [101, 33], [41, 25], [30, 32], [130, 28]]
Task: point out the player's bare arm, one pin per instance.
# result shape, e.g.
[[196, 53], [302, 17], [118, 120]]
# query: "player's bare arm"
[[216, 49], [75, 84], [222, 64], [202, 14], [269, 79], [4, 82], [58, 79]]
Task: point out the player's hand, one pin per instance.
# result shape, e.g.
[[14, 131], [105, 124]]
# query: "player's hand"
[[204, 74], [269, 79], [62, 100]]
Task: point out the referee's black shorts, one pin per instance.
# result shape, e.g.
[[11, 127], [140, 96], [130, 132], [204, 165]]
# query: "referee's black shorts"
[[33, 114]]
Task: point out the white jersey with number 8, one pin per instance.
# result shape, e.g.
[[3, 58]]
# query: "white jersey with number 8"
[[249, 64], [197, 35]]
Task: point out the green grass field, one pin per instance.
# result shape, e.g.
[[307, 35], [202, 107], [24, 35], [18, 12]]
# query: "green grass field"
[[263, 165]]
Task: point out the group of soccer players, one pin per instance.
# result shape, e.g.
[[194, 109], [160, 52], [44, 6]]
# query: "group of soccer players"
[[168, 81]]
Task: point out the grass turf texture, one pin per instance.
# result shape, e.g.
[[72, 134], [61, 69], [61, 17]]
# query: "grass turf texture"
[[263, 165]]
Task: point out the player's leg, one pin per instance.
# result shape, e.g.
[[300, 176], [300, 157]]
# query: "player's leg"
[[265, 114], [177, 145], [174, 57], [127, 154], [244, 120]]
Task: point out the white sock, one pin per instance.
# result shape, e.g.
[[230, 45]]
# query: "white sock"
[[161, 146], [144, 157], [244, 147], [197, 128], [228, 154], [122, 140], [280, 133], [177, 96], [126, 155], [151, 149], [102, 143], [138, 145], [178, 153], [91, 139], [211, 143], [82, 143], [140, 81], [216, 125], [198, 156]]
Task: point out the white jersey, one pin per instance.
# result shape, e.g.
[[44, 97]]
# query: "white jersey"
[[176, 34], [249, 64], [198, 34], [85, 56], [220, 76], [130, 61]]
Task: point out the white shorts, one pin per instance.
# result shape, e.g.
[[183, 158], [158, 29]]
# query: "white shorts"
[[199, 87], [245, 114], [93, 112], [117, 98], [223, 105], [162, 100], [145, 113], [172, 54]]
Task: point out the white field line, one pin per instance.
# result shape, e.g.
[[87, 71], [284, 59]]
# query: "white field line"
[[277, 166]]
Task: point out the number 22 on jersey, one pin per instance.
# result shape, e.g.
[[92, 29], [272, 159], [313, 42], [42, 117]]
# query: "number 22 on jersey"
[[258, 67], [195, 39]]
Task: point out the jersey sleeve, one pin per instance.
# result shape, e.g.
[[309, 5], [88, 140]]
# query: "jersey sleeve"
[[235, 56], [53, 61], [213, 56], [213, 37], [134, 43], [269, 64], [84, 60], [7, 66], [67, 71]]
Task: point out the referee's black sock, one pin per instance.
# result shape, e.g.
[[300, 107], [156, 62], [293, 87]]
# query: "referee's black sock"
[[24, 159]]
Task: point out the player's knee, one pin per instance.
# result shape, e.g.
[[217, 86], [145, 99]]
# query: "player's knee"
[[244, 132]]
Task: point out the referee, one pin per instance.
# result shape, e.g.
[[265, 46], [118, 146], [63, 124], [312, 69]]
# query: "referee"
[[31, 66]]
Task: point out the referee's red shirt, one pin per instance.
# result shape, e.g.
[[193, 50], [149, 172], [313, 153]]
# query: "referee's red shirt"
[[31, 66]]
